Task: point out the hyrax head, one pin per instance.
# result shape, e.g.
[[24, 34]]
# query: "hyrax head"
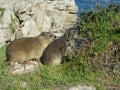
[[47, 36], [72, 33]]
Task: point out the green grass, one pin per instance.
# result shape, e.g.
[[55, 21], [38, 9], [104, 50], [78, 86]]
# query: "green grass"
[[87, 68], [14, 20], [72, 73]]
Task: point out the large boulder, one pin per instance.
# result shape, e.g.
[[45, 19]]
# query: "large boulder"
[[29, 28], [28, 18]]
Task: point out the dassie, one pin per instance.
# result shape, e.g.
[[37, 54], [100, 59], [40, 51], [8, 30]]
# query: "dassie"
[[28, 48], [53, 54]]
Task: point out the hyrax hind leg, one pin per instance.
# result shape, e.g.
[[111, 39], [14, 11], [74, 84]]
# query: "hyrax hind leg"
[[33, 61], [69, 48]]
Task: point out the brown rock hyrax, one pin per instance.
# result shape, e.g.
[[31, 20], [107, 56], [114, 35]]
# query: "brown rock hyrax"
[[53, 54], [28, 48]]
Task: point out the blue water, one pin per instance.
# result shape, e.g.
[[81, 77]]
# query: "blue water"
[[88, 5]]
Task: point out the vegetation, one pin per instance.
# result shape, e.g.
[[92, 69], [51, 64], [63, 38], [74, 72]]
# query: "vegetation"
[[14, 21], [97, 66], [1, 12], [103, 32]]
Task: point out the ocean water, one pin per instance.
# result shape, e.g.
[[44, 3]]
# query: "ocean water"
[[87, 5]]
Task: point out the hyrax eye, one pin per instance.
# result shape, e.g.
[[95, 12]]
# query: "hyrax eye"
[[74, 31], [50, 35], [55, 36]]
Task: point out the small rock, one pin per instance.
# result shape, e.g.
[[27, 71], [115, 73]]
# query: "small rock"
[[23, 84], [82, 88], [20, 69]]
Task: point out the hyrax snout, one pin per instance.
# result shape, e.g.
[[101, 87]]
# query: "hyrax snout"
[[28, 48], [53, 54]]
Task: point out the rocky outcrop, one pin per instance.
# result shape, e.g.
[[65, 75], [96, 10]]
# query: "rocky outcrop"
[[28, 18]]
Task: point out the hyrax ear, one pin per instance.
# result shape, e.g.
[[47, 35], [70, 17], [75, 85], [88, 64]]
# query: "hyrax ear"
[[67, 33], [43, 34], [50, 35]]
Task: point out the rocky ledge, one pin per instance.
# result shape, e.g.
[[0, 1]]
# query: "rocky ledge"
[[28, 18]]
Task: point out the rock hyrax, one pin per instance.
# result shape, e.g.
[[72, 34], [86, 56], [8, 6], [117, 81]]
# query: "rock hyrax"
[[53, 54], [28, 48]]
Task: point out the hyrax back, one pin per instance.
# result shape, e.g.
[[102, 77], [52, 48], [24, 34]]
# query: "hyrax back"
[[28, 48], [53, 54]]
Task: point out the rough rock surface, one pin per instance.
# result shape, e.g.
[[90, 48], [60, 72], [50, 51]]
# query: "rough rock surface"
[[28, 18], [79, 87], [20, 69], [82, 88]]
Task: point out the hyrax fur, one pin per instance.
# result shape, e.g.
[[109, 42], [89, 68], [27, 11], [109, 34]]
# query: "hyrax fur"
[[53, 54], [24, 49]]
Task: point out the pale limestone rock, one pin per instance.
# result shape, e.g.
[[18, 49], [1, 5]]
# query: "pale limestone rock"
[[6, 18], [2, 39], [42, 20], [57, 20], [26, 28], [23, 11], [30, 28], [5, 35], [69, 3], [72, 10], [34, 31], [20, 69], [8, 25], [82, 88], [69, 21], [35, 16], [12, 37], [18, 34], [48, 15], [40, 6], [79, 87]]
